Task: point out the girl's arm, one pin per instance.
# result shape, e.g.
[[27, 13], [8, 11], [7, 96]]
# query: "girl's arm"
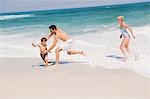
[[126, 26]]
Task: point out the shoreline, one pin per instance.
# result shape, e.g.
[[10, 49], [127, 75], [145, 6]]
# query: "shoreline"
[[40, 64]]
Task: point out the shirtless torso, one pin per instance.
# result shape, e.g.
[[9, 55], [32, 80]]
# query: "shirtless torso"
[[43, 48], [66, 45], [60, 34]]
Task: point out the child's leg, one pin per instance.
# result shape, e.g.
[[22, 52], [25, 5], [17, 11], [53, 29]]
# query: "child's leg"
[[46, 60], [46, 63]]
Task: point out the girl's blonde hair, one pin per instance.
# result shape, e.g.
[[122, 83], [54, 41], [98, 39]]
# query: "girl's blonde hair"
[[121, 17]]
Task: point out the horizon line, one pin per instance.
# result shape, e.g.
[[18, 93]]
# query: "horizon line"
[[73, 8]]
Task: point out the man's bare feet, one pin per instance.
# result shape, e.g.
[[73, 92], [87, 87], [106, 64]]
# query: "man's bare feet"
[[83, 53], [56, 65]]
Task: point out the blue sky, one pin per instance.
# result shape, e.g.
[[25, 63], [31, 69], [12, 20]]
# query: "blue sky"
[[29, 5]]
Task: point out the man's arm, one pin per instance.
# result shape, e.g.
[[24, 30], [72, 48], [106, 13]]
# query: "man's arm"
[[126, 26], [48, 37], [54, 43]]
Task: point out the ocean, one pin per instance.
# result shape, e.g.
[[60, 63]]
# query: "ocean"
[[93, 29]]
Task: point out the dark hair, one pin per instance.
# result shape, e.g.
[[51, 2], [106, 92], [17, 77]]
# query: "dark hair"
[[53, 27], [43, 39]]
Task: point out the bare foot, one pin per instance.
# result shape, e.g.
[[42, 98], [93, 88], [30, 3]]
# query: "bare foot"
[[55, 65], [124, 60], [83, 53]]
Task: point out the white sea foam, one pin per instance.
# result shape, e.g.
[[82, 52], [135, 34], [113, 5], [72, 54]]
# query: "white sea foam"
[[99, 45], [7, 17]]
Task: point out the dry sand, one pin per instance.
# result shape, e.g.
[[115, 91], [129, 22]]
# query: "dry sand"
[[19, 79]]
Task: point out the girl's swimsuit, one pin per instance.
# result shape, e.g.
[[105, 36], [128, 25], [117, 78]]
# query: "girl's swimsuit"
[[124, 32]]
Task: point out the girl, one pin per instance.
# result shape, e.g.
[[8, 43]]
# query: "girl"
[[126, 36]]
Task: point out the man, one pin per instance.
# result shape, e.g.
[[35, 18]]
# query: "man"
[[66, 45]]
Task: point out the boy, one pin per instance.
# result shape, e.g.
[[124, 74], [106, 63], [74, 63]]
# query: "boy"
[[43, 50]]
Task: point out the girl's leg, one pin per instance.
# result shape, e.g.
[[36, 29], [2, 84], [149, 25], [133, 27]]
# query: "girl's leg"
[[128, 50], [122, 46], [127, 47]]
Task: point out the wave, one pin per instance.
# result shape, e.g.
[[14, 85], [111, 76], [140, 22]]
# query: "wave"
[[8, 17], [26, 29], [23, 27]]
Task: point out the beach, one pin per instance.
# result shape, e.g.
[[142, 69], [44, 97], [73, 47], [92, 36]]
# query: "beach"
[[20, 79], [93, 30]]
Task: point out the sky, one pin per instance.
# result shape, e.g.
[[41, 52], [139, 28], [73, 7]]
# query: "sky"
[[30, 5]]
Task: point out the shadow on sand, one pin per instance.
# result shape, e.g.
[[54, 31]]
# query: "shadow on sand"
[[51, 63], [116, 57]]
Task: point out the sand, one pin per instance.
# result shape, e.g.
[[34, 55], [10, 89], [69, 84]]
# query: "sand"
[[21, 79]]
